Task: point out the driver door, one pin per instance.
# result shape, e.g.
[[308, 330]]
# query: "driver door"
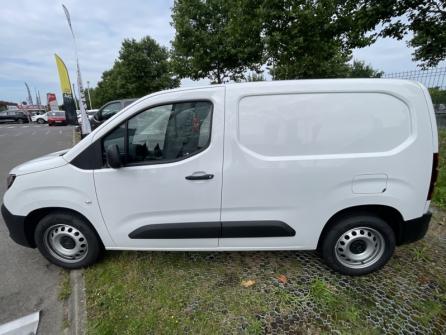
[[167, 195]]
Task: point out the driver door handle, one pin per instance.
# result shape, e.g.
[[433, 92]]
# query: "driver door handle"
[[206, 176]]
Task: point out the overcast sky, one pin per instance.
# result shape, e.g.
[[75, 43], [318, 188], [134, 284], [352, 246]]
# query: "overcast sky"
[[33, 31]]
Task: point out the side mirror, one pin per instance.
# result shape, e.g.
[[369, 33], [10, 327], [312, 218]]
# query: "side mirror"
[[98, 116], [113, 156]]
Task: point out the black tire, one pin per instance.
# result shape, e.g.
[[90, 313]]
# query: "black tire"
[[370, 233], [20, 121], [56, 224], [40, 121]]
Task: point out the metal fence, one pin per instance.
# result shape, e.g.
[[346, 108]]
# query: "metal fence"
[[435, 77]]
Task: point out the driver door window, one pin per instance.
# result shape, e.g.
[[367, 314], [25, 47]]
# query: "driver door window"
[[164, 133]]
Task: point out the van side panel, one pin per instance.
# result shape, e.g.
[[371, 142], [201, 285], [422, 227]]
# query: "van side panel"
[[322, 123], [299, 152]]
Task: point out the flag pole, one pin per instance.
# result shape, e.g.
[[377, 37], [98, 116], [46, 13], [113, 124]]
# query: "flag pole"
[[88, 92], [75, 98], [85, 127]]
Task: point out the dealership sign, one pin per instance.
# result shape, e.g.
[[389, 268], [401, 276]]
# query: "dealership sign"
[[52, 102]]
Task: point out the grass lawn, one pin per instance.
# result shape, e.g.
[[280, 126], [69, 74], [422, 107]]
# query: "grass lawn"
[[203, 293]]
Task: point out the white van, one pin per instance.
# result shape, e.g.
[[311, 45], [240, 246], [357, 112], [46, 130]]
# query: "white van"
[[343, 166]]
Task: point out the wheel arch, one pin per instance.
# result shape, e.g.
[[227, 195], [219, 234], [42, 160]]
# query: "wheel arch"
[[34, 217], [389, 214]]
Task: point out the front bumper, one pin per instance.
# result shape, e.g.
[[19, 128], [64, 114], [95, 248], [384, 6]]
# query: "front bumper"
[[16, 227], [414, 230]]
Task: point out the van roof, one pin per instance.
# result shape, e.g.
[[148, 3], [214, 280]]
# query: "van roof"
[[344, 81]]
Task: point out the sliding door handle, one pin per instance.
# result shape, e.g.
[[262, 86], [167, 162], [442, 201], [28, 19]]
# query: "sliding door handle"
[[206, 176]]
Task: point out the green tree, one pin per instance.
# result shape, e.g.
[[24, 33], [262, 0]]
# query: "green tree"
[[223, 40], [309, 39], [142, 67], [255, 77], [216, 39], [305, 39], [426, 19], [359, 69]]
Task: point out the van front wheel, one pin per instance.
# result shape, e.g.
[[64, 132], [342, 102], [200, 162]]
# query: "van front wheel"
[[358, 244], [67, 241]]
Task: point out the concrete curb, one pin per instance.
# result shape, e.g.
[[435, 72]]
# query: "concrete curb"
[[76, 311]]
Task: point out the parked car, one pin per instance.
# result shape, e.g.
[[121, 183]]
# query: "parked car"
[[13, 116], [57, 118], [40, 118], [108, 110], [347, 167]]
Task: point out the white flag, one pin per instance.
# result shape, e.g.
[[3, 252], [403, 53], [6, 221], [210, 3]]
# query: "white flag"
[[86, 127]]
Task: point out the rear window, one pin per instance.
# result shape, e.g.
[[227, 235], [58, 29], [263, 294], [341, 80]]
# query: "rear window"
[[320, 124]]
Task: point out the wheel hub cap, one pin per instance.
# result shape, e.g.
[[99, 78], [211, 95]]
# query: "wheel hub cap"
[[359, 247], [66, 243]]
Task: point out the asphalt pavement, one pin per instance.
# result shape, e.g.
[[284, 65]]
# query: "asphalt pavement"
[[28, 282]]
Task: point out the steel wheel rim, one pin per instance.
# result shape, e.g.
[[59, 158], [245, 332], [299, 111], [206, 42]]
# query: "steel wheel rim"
[[66, 243], [359, 247]]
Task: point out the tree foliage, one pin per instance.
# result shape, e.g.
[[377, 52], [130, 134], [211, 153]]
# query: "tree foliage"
[[255, 77], [359, 69], [426, 19], [142, 67], [223, 40], [310, 39], [216, 39]]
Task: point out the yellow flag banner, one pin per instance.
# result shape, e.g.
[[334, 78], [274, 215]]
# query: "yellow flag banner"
[[65, 84], [67, 93]]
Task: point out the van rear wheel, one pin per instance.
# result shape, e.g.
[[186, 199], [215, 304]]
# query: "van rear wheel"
[[358, 244], [67, 241]]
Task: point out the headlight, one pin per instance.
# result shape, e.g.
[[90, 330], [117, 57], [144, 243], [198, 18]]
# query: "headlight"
[[10, 180]]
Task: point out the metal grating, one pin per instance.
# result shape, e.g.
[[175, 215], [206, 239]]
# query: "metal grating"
[[434, 77]]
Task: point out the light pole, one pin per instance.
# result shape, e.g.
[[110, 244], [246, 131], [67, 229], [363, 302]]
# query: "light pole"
[[86, 127], [88, 92]]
